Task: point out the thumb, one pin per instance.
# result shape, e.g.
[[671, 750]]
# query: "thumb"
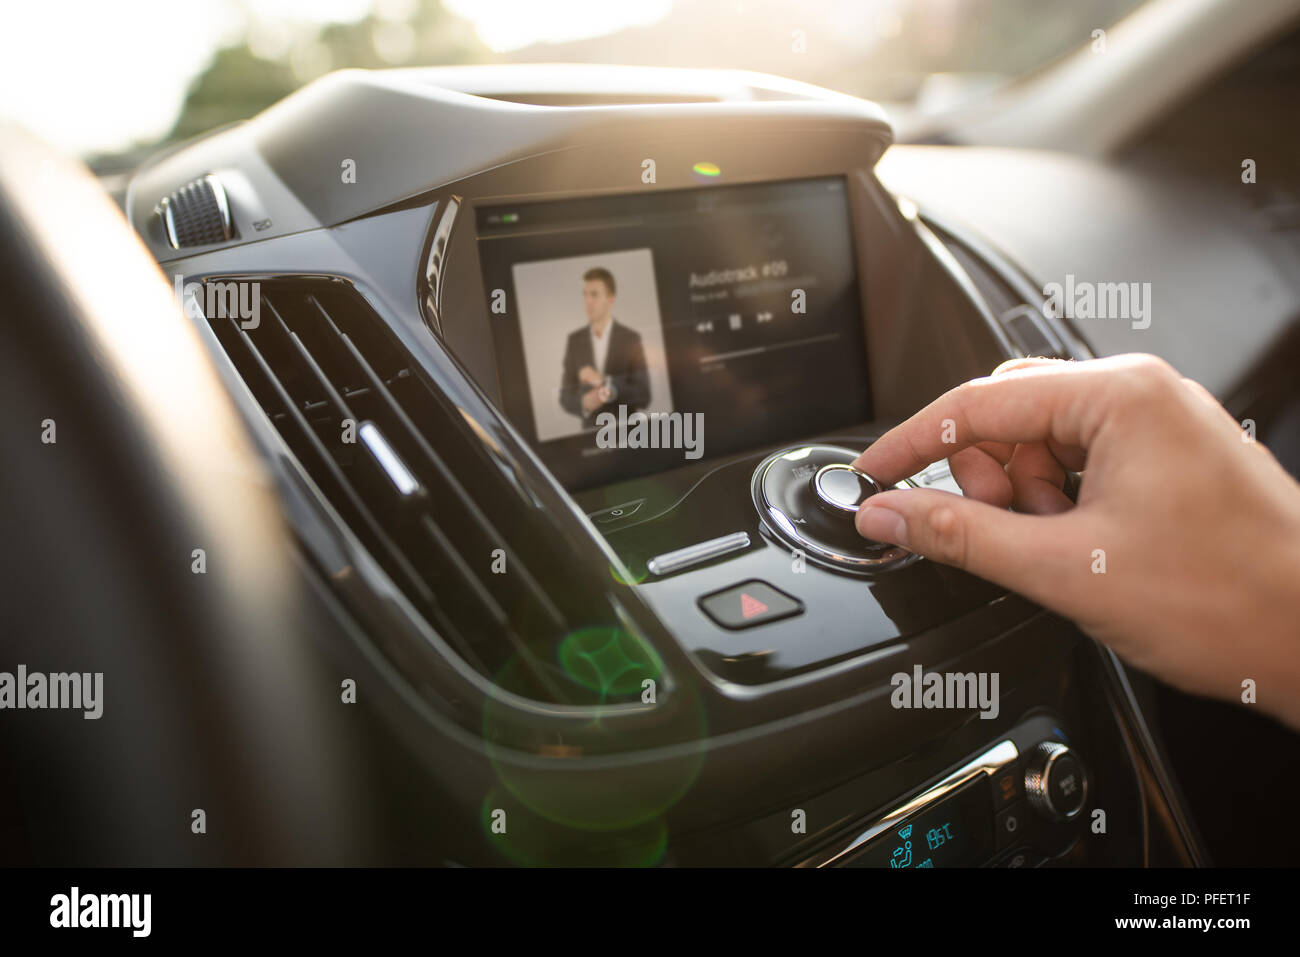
[[1038, 556]]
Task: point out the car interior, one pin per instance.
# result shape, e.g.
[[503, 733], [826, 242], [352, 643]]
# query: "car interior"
[[302, 456]]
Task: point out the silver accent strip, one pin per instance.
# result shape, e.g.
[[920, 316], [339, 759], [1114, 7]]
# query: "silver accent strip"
[[674, 561], [169, 221], [1039, 322], [987, 764], [392, 464], [435, 266], [223, 205]]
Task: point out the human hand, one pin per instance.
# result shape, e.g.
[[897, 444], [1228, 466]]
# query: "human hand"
[[1183, 552], [588, 376]]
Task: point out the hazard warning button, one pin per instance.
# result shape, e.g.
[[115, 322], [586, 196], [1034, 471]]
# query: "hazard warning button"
[[750, 603]]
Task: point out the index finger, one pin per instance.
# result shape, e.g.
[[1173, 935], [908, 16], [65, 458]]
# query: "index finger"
[[1065, 402]]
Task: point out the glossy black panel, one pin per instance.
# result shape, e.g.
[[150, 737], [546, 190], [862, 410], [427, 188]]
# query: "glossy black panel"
[[844, 615]]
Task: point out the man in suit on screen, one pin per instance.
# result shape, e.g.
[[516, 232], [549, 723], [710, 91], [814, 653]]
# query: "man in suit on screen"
[[604, 361]]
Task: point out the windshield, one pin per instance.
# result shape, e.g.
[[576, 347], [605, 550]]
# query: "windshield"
[[113, 81]]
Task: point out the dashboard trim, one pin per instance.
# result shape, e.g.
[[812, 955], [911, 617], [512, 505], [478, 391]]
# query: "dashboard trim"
[[987, 764], [683, 558], [435, 264]]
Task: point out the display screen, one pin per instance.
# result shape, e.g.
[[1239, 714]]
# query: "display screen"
[[955, 832], [640, 332]]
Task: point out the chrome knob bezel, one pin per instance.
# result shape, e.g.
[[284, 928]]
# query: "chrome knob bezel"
[[784, 528], [831, 504], [1038, 771]]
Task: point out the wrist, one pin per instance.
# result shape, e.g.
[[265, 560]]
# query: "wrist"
[[1278, 686]]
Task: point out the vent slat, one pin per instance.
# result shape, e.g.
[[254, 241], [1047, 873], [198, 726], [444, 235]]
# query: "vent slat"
[[406, 572], [472, 508], [423, 497], [498, 613], [335, 472], [309, 361]]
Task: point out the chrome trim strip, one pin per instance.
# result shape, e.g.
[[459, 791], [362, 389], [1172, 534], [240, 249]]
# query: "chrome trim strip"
[[435, 262], [388, 459], [1038, 321], [223, 205], [169, 221], [988, 764], [673, 561], [1074, 344], [1137, 735], [948, 262]]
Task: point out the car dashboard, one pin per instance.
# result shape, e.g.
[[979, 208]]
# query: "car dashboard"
[[640, 631]]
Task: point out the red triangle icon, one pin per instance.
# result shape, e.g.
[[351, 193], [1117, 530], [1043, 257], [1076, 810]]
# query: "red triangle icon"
[[750, 606]]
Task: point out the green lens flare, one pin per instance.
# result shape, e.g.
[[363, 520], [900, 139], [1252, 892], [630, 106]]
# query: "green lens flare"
[[563, 788], [707, 170], [608, 661], [631, 578]]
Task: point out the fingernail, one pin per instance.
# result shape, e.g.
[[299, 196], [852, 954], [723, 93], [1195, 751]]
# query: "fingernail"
[[882, 524]]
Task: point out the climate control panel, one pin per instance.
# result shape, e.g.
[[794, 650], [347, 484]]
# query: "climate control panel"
[[1011, 805]]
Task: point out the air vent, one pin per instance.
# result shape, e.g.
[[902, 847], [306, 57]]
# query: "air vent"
[[1024, 322], [402, 467]]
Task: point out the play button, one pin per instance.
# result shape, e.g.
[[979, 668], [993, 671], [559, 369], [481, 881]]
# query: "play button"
[[749, 603]]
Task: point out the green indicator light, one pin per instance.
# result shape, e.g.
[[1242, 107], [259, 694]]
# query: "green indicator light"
[[509, 217]]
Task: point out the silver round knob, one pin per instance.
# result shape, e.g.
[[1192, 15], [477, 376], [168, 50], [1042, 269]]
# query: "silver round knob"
[[841, 489], [1056, 782]]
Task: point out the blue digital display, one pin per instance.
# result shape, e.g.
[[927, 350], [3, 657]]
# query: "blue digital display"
[[955, 832]]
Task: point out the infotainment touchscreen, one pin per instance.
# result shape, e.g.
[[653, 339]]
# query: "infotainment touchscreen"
[[639, 332]]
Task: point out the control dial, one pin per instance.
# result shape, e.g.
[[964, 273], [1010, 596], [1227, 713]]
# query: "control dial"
[[841, 489], [1056, 782], [807, 498]]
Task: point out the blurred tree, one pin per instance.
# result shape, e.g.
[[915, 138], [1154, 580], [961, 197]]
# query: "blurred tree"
[[236, 85], [239, 83]]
